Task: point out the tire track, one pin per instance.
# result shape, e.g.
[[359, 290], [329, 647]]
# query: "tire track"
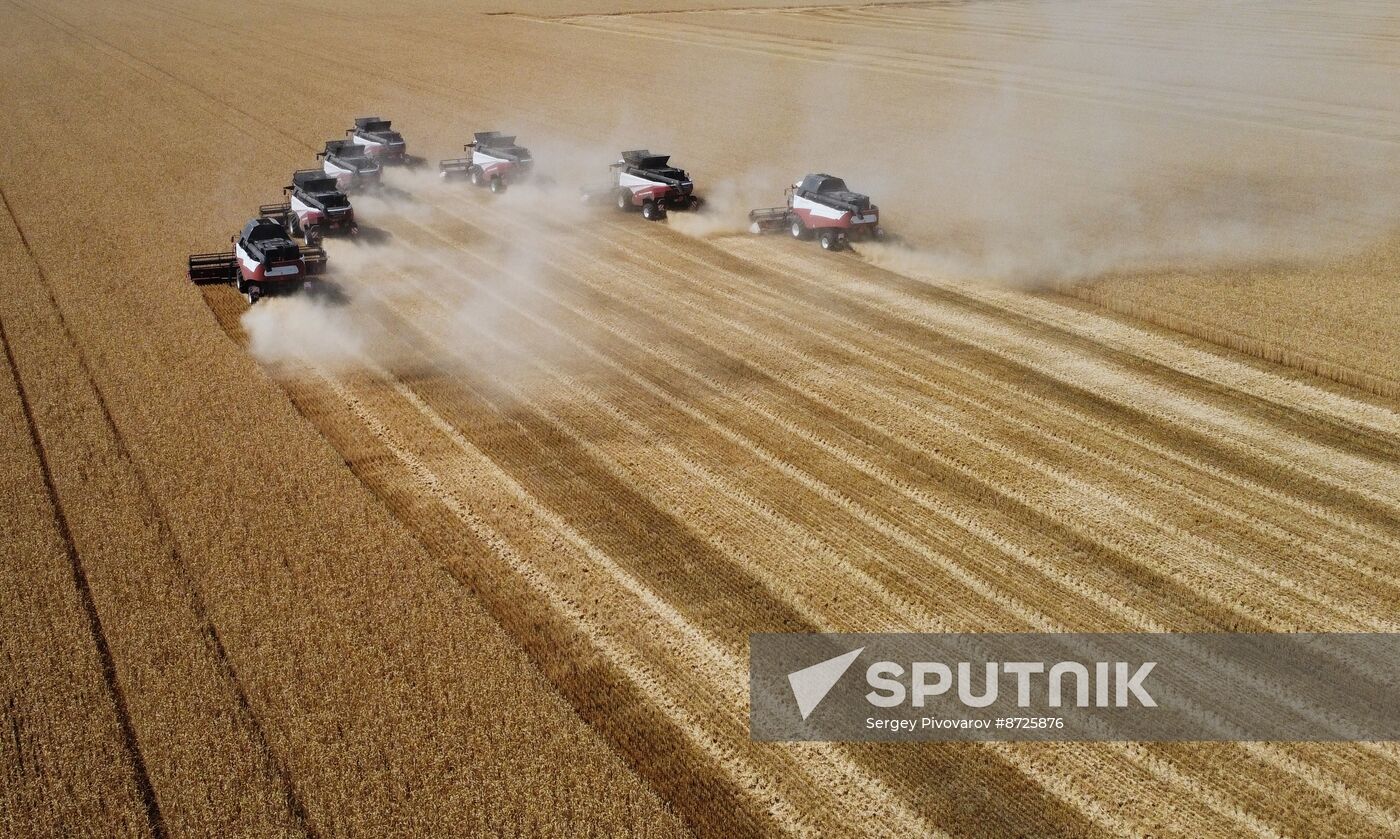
[[718, 659], [1064, 792], [1054, 396], [1309, 774], [1042, 779], [1160, 768], [273, 764], [780, 421], [156, 73], [1218, 800], [1339, 419], [933, 395], [209, 96], [130, 744], [676, 396], [1332, 790], [701, 313], [994, 351], [1302, 410], [1348, 122], [1004, 23]]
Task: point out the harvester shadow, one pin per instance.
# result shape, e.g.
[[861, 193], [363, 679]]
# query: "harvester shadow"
[[372, 236], [390, 193], [328, 292]]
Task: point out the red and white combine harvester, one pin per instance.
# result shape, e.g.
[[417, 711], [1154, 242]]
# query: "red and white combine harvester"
[[641, 179], [264, 261], [495, 161], [379, 139], [347, 162], [820, 205], [315, 208]]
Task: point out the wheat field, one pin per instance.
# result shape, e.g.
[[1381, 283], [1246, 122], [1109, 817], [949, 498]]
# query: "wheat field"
[[476, 549]]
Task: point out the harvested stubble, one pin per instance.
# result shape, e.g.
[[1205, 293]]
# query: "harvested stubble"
[[568, 420]]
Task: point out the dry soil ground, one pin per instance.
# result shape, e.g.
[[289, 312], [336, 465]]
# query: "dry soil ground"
[[480, 546]]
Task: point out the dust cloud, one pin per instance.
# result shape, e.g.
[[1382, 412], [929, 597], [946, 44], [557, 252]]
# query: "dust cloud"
[[1102, 140], [1100, 143], [436, 287]]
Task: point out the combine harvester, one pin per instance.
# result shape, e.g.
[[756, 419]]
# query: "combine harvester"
[[264, 261], [315, 207], [350, 165], [379, 140], [495, 161], [823, 206], [646, 180]]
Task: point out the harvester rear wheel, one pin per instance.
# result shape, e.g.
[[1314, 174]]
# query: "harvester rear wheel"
[[652, 211], [830, 241], [498, 184]]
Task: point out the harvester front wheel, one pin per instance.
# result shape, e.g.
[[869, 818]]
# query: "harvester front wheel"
[[624, 199], [798, 229], [475, 174]]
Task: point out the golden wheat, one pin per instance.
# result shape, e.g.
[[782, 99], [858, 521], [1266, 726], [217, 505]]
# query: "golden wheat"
[[587, 457]]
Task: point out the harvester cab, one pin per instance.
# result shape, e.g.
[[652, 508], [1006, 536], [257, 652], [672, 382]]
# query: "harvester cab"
[[821, 205], [494, 160]]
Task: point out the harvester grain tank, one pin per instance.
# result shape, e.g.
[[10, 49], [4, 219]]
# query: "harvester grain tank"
[[379, 139], [315, 207], [350, 165]]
